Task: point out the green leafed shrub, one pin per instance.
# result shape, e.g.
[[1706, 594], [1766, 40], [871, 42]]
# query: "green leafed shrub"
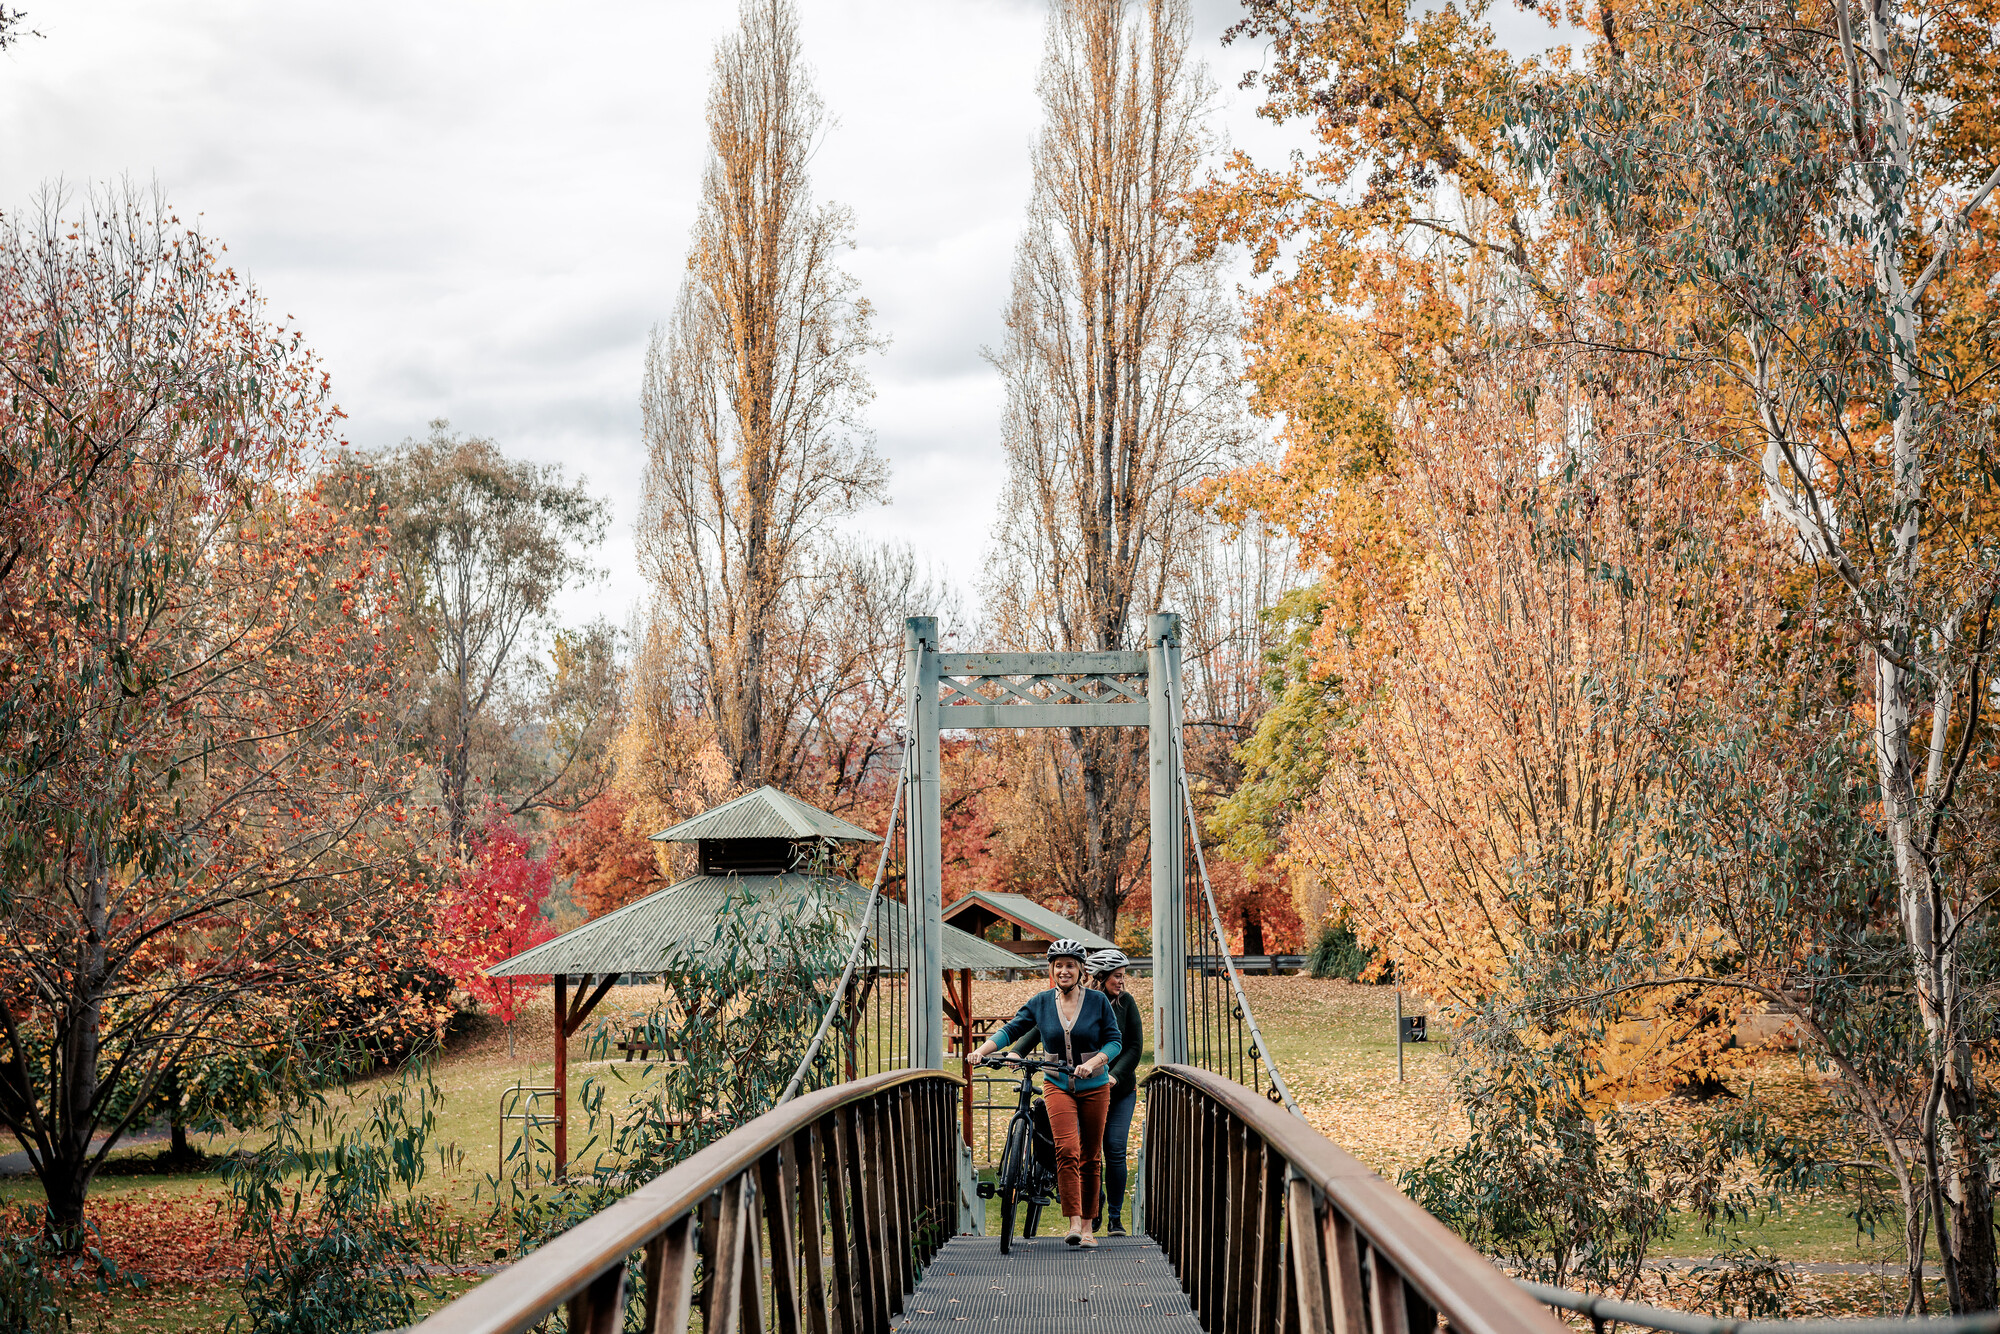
[[331, 1202], [735, 1017], [1337, 953]]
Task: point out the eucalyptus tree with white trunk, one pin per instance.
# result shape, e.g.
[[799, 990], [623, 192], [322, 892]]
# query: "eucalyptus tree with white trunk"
[[1782, 202]]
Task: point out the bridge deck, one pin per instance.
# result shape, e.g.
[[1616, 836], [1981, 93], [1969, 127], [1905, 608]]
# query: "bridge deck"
[[1125, 1286]]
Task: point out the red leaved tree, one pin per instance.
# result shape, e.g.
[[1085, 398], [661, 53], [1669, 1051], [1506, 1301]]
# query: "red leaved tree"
[[493, 913]]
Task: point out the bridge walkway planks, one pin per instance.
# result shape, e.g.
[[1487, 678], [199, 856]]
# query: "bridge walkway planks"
[[1125, 1286]]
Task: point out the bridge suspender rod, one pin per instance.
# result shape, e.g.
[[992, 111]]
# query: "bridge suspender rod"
[[923, 864], [1170, 1009], [1214, 916]]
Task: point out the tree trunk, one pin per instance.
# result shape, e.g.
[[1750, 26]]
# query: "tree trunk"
[[177, 1147], [67, 1167], [458, 754], [1929, 921], [66, 1183]]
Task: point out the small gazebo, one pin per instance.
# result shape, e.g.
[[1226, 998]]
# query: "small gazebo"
[[761, 850]]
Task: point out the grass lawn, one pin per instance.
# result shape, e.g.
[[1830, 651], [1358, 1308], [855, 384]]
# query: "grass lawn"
[[1334, 1042]]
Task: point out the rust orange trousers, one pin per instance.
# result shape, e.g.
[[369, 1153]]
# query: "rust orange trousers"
[[1077, 1122]]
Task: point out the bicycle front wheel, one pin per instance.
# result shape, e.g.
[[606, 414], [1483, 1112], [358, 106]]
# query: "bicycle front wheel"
[[1016, 1166]]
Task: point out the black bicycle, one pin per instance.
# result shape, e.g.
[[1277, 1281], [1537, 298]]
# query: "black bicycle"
[[1028, 1163]]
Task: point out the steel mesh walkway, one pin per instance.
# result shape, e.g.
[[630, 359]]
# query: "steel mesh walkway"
[[1125, 1286]]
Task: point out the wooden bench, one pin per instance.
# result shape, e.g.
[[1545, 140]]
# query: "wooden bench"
[[641, 1045]]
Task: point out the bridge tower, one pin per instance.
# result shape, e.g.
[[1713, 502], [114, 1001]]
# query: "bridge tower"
[[1139, 688]]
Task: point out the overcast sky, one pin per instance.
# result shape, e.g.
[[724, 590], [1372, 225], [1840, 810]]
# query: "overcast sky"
[[477, 210]]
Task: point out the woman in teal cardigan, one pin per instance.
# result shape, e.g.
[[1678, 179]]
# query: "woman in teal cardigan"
[[1079, 1025]]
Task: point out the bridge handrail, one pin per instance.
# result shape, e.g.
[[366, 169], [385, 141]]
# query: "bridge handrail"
[[776, 1156], [1217, 1215]]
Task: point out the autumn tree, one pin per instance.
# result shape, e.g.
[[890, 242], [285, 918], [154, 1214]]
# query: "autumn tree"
[[605, 855], [752, 407], [1806, 230], [1374, 302], [1392, 251], [1493, 783], [198, 669], [1789, 225], [1120, 394], [487, 544]]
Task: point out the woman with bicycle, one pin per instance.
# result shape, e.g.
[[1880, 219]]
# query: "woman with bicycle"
[[1107, 974], [1080, 1026]]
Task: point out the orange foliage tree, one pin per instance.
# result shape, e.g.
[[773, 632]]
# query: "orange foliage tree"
[[606, 856], [199, 805], [1493, 789]]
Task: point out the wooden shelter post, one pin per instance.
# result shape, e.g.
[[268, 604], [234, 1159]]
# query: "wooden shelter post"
[[562, 1075], [569, 1017]]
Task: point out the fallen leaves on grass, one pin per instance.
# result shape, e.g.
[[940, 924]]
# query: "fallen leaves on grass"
[[167, 1239]]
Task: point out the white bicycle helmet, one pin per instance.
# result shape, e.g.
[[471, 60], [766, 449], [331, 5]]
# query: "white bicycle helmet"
[[1069, 949], [1102, 963]]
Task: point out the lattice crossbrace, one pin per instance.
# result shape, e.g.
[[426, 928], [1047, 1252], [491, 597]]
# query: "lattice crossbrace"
[[1098, 688]]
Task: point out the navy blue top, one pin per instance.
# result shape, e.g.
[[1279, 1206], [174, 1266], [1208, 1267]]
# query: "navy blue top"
[[1095, 1030]]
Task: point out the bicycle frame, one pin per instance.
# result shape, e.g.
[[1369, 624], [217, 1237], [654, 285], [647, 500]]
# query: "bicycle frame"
[[1019, 1181]]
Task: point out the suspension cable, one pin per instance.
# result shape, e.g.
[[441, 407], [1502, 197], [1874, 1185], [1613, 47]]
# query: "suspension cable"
[[1214, 916], [860, 932]]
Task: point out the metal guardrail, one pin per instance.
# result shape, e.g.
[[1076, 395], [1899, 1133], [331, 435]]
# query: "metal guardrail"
[[1243, 963], [820, 1211], [1270, 1226], [1606, 1311]]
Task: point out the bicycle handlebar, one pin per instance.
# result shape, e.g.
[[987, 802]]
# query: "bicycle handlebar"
[[1028, 1062]]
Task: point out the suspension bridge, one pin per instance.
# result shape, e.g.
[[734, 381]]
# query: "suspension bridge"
[[851, 1209]]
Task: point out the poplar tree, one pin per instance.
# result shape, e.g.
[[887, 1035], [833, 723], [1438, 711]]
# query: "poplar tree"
[[752, 403], [1120, 394]]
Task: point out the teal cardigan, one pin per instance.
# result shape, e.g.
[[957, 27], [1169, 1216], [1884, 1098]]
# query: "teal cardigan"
[[1096, 1030]]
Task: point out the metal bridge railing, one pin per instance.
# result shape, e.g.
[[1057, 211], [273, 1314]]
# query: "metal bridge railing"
[[1605, 1312], [1270, 1227], [819, 1214]]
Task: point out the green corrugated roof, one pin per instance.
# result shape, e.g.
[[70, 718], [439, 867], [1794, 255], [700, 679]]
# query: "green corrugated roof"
[[641, 936], [765, 813], [1046, 923]]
